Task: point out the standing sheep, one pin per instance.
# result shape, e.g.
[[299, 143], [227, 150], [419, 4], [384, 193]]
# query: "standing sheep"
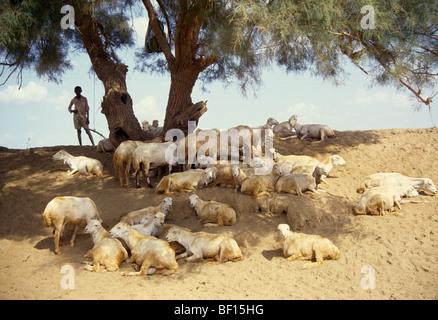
[[298, 246], [107, 252], [62, 211], [213, 213]]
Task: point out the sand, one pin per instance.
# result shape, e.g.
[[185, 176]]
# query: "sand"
[[389, 257]]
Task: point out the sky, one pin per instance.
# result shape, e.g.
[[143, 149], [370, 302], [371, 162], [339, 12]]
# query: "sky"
[[36, 115]]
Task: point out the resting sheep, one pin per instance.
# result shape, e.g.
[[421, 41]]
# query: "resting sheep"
[[396, 179], [298, 183], [213, 213], [147, 252], [83, 165], [150, 155], [313, 131], [203, 245], [148, 226], [62, 211], [285, 126], [186, 181], [136, 216], [107, 252], [382, 199], [298, 246]]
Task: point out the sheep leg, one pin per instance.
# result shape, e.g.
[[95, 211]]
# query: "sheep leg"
[[304, 136], [182, 255], [73, 171], [57, 239], [72, 240]]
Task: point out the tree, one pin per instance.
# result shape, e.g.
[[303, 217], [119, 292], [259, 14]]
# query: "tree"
[[200, 34], [31, 36], [397, 40]]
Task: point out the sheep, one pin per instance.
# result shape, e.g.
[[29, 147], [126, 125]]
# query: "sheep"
[[186, 181], [136, 216], [396, 179], [298, 246], [105, 146], [107, 252], [313, 131], [122, 158], [150, 155], [213, 213], [258, 185], [83, 165], [68, 210], [150, 227], [240, 174], [299, 182], [383, 198], [147, 252], [203, 245], [285, 126]]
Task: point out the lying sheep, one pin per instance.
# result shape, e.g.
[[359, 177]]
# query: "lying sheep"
[[396, 179], [298, 183], [257, 186], [186, 181], [148, 226], [285, 126], [313, 131], [151, 254], [239, 174], [62, 211], [83, 165], [147, 156], [136, 216], [213, 213], [382, 199], [298, 246], [203, 245], [107, 252]]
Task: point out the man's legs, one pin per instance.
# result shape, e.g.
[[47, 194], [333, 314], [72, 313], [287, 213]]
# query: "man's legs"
[[89, 135], [79, 137]]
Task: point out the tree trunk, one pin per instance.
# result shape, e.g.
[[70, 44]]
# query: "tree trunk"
[[117, 103], [180, 108]]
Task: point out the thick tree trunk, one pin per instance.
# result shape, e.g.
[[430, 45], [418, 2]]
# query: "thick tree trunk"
[[180, 108], [117, 103]]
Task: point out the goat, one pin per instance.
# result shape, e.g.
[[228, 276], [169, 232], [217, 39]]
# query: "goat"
[[136, 216], [213, 213], [107, 252], [298, 246], [147, 252], [186, 181], [62, 211], [313, 131], [396, 179], [148, 226], [202, 245], [383, 198], [150, 155], [83, 165]]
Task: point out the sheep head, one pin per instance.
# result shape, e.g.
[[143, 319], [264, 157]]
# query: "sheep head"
[[428, 187], [284, 230], [166, 205], [93, 226], [173, 234], [193, 199], [120, 230]]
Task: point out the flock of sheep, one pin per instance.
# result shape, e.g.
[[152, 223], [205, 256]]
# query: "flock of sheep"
[[155, 246]]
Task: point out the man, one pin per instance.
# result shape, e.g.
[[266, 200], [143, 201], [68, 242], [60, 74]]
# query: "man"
[[80, 114]]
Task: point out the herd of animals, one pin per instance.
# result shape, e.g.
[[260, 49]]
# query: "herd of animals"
[[155, 246]]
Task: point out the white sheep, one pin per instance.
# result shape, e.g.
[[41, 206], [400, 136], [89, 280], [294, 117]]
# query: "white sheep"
[[313, 131], [136, 216], [285, 126], [382, 199], [150, 155], [203, 245], [107, 252], [151, 254], [425, 185], [62, 211], [122, 159], [83, 165], [298, 246], [213, 213], [299, 182], [150, 227], [186, 181]]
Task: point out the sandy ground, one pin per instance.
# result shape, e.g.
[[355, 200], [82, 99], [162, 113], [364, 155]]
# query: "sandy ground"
[[400, 250]]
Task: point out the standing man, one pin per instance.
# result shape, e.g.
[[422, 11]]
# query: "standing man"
[[80, 114]]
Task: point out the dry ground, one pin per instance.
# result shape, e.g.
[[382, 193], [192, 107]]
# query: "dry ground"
[[402, 250]]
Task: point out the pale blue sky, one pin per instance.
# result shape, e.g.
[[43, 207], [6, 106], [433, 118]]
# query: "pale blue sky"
[[36, 115]]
